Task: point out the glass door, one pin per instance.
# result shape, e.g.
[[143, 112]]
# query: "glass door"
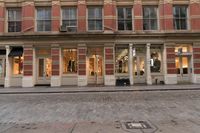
[[44, 70], [183, 68], [139, 69], [95, 70]]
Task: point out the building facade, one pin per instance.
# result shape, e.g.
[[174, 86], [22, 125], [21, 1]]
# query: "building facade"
[[91, 42]]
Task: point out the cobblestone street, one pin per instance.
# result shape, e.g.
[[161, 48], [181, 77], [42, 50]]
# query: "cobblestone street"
[[100, 112]]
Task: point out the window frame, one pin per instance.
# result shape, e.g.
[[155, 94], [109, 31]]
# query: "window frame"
[[160, 49], [69, 73], [115, 68], [149, 19], [180, 18], [102, 19], [36, 19], [22, 59], [15, 21], [125, 11], [69, 7]]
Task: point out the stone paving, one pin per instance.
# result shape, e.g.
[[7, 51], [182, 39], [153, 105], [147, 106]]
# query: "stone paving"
[[168, 112]]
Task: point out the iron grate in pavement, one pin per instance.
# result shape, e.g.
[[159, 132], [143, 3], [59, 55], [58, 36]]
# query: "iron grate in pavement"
[[137, 125]]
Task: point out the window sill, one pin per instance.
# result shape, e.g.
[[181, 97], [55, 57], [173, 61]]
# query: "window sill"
[[69, 75]]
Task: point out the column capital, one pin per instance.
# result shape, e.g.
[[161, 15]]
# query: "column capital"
[[130, 44], [148, 44], [7, 47]]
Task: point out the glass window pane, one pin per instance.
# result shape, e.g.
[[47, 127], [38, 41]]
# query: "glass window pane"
[[183, 12], [40, 25], [146, 12], [69, 61], [17, 65], [153, 24], [185, 65], [1, 68], [155, 60], [120, 13], [128, 13], [47, 25], [98, 13], [99, 25], [91, 13], [146, 25], [128, 25], [121, 57], [121, 25], [183, 23], [91, 25], [177, 65], [153, 12]]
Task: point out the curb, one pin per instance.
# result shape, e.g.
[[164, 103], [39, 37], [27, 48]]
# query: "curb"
[[97, 91]]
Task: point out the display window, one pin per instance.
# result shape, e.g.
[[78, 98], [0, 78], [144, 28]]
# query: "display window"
[[121, 58], [156, 59], [18, 65], [69, 61]]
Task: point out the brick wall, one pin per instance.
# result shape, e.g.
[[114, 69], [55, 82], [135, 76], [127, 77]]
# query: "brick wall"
[[28, 14], [28, 61], [171, 67], [2, 13], [109, 60], [196, 58], [55, 55], [82, 61]]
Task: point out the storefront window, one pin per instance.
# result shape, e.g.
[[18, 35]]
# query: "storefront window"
[[155, 60], [121, 56], [1, 68], [69, 61], [17, 65], [181, 49]]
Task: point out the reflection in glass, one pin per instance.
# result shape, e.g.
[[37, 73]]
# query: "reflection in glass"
[[155, 60], [69, 61], [17, 65], [121, 56]]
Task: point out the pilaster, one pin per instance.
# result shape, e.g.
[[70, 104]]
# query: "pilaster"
[[81, 16], [170, 72], [196, 63], [56, 15], [56, 61], [28, 79], [82, 76], [28, 16], [2, 16], [138, 19], [194, 8], [109, 78]]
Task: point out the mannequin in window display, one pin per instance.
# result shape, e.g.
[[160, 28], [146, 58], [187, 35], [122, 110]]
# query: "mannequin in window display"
[[71, 65], [155, 63]]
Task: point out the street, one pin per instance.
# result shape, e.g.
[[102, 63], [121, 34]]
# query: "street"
[[101, 112]]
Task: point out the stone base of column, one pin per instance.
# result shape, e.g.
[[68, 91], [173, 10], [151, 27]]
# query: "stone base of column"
[[149, 80], [55, 81], [171, 79], [109, 80], [196, 79], [27, 81], [82, 80], [7, 82]]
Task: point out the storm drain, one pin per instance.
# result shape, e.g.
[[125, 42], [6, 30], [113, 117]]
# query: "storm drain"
[[137, 125]]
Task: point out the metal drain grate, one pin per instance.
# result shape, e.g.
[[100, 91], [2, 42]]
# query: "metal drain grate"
[[137, 125]]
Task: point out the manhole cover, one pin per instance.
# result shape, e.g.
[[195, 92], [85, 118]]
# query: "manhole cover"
[[137, 125]]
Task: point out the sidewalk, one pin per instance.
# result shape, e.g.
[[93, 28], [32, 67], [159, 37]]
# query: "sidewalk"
[[75, 89]]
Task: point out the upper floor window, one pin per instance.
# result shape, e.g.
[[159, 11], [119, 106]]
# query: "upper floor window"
[[14, 20], [69, 17], [180, 17], [150, 21], [95, 18], [124, 18], [44, 19]]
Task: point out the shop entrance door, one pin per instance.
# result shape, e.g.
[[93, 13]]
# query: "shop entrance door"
[[183, 67], [139, 69], [44, 71], [95, 75]]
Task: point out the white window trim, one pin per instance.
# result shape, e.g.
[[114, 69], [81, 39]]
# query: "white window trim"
[[87, 28]]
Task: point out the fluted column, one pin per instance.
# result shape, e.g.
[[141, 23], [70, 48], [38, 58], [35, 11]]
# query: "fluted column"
[[148, 70], [130, 63], [8, 68]]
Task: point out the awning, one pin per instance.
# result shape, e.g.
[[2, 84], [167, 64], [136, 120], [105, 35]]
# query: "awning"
[[2, 52], [16, 51]]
